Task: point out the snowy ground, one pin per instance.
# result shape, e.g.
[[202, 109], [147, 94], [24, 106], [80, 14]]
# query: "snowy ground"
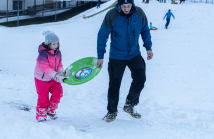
[[177, 102]]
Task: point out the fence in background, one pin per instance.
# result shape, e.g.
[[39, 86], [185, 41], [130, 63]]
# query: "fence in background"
[[43, 8]]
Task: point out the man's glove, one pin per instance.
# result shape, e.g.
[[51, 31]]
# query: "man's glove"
[[59, 78]]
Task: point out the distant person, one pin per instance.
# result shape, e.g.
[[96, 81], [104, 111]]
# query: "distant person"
[[173, 2], [182, 1], [168, 16], [98, 5], [151, 27], [48, 77], [147, 1]]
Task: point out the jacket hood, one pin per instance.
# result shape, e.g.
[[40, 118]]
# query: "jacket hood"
[[41, 48]]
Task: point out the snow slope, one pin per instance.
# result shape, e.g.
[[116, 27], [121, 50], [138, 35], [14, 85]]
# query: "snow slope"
[[176, 103]]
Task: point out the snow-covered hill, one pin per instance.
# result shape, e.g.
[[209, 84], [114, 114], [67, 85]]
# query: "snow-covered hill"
[[178, 99]]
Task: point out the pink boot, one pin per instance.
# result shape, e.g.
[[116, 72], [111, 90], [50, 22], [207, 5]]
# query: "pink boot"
[[41, 114], [52, 110]]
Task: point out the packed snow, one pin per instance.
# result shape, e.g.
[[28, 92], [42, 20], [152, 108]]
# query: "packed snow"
[[176, 103]]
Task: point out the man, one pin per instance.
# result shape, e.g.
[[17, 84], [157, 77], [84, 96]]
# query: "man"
[[168, 16], [125, 23]]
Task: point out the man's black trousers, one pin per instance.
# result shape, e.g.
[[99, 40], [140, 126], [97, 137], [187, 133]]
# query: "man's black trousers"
[[116, 69], [167, 22]]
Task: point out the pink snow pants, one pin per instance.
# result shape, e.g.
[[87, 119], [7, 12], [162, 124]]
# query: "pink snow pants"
[[44, 105]]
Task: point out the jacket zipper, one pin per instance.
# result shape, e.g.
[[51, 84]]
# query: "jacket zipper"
[[55, 60], [43, 75], [115, 34], [128, 35], [134, 34]]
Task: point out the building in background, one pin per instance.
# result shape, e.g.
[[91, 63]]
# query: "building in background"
[[9, 10], [12, 5]]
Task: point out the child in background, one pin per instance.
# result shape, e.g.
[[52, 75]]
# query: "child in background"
[[98, 5], [48, 77], [173, 2], [151, 27]]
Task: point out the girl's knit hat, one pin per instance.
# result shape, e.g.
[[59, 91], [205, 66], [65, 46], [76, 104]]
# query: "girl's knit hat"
[[50, 37]]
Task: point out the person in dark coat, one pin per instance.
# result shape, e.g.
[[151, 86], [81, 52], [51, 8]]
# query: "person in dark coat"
[[126, 22]]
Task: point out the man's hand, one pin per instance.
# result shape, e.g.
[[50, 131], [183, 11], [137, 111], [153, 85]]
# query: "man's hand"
[[99, 63], [149, 55]]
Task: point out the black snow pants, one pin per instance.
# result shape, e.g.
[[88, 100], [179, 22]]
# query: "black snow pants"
[[116, 69], [167, 22]]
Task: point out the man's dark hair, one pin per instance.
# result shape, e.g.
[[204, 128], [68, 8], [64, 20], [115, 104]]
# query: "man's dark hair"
[[169, 10]]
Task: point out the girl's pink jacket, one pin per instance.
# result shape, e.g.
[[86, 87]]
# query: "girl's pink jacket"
[[48, 64]]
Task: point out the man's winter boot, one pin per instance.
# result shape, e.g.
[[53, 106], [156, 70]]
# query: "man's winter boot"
[[130, 109], [52, 116], [110, 116]]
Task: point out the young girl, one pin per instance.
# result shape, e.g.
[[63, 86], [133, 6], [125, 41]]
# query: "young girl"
[[48, 77]]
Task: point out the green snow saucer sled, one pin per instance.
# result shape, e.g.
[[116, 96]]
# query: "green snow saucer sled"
[[82, 71]]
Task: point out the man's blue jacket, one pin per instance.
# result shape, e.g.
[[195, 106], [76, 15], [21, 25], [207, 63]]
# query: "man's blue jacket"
[[168, 15], [125, 32]]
